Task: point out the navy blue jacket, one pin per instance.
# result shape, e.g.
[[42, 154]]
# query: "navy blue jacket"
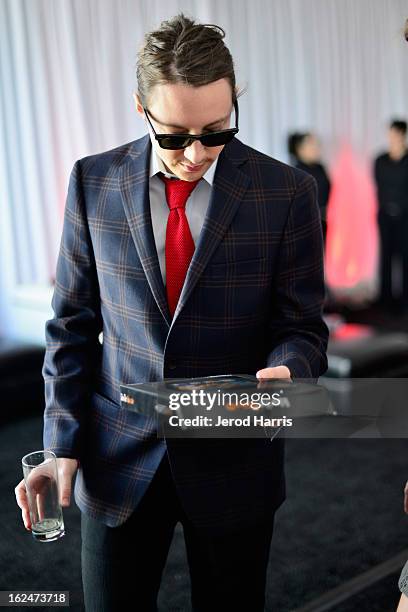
[[252, 298]]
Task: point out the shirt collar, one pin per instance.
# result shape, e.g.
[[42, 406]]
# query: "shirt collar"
[[157, 165]]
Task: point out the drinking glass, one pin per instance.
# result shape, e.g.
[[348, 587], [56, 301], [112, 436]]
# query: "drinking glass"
[[41, 480]]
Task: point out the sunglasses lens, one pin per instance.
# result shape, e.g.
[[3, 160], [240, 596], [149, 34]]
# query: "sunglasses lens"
[[174, 142], [217, 139]]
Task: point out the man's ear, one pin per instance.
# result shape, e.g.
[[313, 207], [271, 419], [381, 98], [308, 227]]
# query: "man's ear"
[[138, 103]]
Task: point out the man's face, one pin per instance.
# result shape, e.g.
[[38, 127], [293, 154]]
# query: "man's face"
[[309, 150], [396, 139], [178, 108]]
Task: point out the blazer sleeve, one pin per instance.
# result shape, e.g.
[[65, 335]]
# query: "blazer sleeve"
[[298, 333], [72, 345]]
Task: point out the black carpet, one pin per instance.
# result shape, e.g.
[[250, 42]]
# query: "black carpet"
[[343, 516]]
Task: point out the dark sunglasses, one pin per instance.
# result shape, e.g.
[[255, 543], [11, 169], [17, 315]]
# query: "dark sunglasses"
[[209, 139]]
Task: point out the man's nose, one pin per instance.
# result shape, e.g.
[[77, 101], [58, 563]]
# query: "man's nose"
[[195, 153]]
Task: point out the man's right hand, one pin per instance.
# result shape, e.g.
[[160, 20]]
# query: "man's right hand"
[[66, 471]]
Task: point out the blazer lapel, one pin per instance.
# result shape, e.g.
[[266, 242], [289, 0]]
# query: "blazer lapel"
[[229, 187], [134, 187]]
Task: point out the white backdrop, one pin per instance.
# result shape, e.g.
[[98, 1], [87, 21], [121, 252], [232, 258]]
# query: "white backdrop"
[[67, 68]]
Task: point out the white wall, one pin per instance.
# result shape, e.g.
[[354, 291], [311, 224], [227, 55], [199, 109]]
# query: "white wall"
[[338, 67]]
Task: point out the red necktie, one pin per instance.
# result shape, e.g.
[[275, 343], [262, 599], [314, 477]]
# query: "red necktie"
[[179, 242]]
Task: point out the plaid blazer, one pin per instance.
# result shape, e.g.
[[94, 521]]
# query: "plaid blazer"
[[252, 298]]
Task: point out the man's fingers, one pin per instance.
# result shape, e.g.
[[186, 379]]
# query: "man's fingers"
[[66, 470], [65, 495], [276, 372], [21, 497], [406, 498], [26, 519], [64, 478]]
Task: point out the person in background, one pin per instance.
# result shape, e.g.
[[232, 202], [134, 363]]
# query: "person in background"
[[391, 177], [304, 149]]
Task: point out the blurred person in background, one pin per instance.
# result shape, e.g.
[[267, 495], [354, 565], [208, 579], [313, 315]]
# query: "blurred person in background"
[[305, 151], [391, 177]]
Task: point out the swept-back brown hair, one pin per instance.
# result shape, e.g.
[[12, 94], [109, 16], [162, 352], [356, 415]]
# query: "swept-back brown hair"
[[182, 51]]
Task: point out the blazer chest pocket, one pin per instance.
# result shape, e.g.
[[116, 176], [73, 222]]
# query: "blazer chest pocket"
[[240, 273]]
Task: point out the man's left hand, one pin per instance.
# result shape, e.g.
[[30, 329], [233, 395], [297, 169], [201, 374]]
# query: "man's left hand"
[[282, 372]]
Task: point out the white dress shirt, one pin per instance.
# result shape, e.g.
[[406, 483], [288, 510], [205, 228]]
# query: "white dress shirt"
[[196, 206]]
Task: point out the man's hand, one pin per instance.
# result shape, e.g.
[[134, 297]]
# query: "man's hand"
[[403, 604], [282, 372], [406, 498], [66, 470]]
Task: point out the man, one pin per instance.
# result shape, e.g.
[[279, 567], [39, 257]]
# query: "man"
[[391, 176], [305, 151], [229, 280]]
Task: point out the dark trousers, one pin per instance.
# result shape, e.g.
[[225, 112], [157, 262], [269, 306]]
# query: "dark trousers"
[[394, 246], [122, 566]]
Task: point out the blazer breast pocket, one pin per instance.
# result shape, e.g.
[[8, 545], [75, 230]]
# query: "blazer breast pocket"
[[236, 293], [243, 261], [239, 273]]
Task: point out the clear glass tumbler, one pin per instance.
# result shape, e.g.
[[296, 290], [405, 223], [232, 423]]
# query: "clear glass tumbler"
[[41, 480]]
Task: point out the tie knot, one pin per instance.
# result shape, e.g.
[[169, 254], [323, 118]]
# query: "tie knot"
[[177, 191]]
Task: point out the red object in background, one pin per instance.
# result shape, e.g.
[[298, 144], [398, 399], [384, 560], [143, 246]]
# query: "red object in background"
[[352, 239], [352, 331]]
